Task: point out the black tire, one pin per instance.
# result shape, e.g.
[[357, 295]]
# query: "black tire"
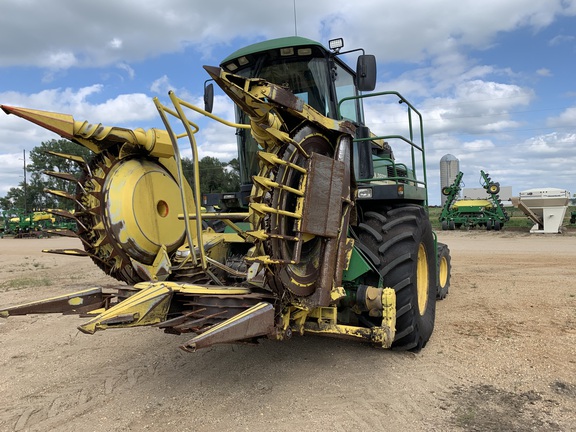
[[494, 188], [443, 268], [444, 225], [488, 225], [497, 226], [400, 243], [451, 226]]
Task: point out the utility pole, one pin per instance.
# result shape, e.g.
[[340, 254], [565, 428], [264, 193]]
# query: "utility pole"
[[25, 192]]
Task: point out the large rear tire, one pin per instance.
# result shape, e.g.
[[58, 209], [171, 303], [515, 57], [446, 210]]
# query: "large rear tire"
[[400, 243]]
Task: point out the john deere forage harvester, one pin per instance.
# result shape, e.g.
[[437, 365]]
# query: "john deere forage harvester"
[[335, 238]]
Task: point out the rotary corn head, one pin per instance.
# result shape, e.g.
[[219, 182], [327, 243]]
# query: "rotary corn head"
[[332, 236]]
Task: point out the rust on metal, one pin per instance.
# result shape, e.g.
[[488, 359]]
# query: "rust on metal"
[[254, 322], [323, 197]]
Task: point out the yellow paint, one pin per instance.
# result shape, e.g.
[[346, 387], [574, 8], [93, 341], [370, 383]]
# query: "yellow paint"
[[76, 301], [143, 206], [194, 289], [422, 279], [147, 307], [443, 271], [472, 203]]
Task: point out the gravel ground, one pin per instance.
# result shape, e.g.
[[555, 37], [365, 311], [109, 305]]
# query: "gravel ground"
[[502, 357]]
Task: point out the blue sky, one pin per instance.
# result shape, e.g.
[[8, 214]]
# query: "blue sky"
[[493, 79]]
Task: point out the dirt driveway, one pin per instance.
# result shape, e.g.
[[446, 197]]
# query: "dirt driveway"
[[502, 357]]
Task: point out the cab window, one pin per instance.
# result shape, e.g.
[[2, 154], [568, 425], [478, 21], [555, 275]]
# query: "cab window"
[[345, 87]]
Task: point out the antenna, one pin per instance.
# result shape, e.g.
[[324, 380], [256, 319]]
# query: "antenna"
[[295, 20]]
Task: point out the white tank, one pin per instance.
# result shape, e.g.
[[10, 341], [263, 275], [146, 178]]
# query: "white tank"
[[546, 207], [449, 169]]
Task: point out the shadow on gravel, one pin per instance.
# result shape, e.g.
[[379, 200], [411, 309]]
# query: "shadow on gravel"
[[489, 409]]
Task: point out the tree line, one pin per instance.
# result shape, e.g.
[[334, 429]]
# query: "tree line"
[[29, 195]]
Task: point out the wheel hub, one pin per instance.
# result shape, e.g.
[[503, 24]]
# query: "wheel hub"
[[142, 207]]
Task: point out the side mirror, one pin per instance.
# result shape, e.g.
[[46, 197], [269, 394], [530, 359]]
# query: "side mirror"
[[208, 97], [366, 72]]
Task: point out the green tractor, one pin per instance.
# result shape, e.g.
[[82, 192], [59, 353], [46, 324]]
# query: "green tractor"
[[328, 235]]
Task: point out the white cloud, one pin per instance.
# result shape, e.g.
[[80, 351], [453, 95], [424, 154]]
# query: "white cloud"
[[403, 31], [115, 43], [566, 119], [161, 85], [126, 68], [56, 60], [544, 72], [560, 39]]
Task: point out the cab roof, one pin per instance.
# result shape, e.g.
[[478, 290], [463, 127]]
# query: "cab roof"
[[290, 41]]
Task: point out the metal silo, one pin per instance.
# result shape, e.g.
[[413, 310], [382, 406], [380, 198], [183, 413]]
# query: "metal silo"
[[449, 169]]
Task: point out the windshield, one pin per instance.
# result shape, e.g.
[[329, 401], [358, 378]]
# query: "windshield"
[[310, 77], [306, 77]]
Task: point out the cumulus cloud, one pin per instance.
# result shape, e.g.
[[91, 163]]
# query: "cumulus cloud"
[[57, 59], [566, 119], [143, 29], [118, 110]]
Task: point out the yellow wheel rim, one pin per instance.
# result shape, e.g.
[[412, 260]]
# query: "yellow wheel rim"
[[422, 279], [443, 272]]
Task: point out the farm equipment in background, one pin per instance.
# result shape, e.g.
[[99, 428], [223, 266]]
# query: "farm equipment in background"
[[35, 224], [334, 238], [470, 213]]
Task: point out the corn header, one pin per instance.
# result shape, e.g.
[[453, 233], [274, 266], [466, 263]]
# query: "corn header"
[[330, 234]]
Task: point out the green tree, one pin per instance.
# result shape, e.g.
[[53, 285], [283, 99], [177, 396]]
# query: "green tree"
[[41, 160], [13, 200], [215, 176]]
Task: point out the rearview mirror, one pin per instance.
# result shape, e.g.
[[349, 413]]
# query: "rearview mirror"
[[366, 72], [208, 97]]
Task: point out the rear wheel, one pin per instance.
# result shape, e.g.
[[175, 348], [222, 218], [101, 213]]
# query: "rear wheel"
[[443, 268], [400, 244]]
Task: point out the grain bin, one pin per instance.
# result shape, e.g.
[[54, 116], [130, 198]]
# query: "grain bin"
[[449, 169]]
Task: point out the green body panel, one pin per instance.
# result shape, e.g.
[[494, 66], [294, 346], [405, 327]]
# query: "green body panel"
[[356, 267], [291, 41]]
